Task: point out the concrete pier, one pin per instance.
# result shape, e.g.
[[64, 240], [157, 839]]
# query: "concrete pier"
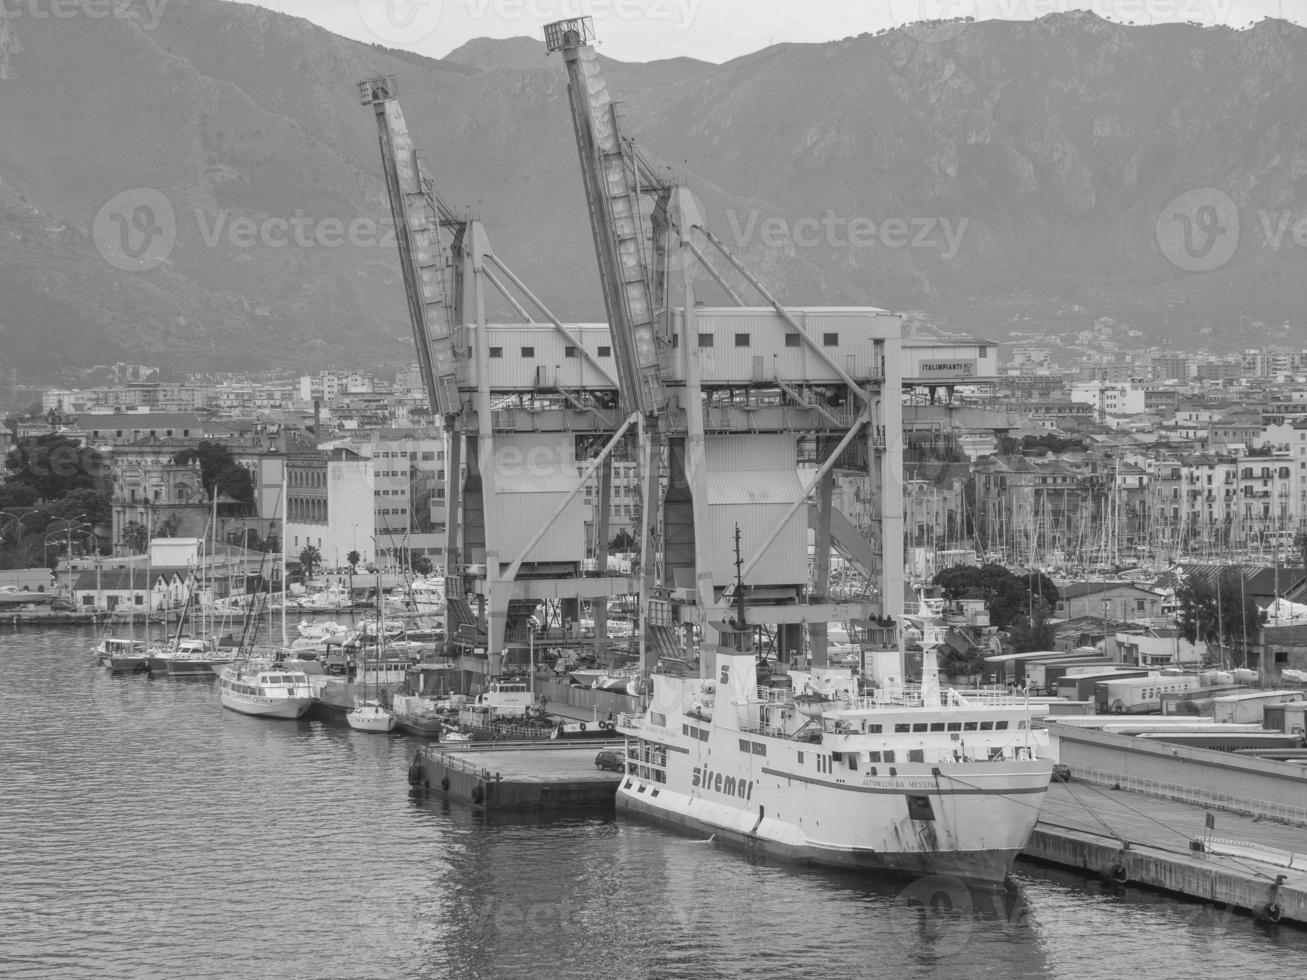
[[1255, 865], [505, 776]]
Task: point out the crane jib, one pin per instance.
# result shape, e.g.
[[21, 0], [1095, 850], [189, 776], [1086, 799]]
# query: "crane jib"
[[614, 189]]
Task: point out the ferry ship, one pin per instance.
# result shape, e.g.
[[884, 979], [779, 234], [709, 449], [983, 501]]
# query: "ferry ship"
[[804, 768]]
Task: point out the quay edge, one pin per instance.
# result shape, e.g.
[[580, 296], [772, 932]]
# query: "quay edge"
[[492, 776], [1269, 895]]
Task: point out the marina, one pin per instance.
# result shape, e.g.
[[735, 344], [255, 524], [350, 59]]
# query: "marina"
[[739, 628], [465, 888]]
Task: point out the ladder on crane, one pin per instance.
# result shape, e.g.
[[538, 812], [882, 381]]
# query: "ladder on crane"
[[422, 259], [614, 181]]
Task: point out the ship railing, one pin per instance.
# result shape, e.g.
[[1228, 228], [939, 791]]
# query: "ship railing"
[[770, 731], [996, 698], [912, 698]]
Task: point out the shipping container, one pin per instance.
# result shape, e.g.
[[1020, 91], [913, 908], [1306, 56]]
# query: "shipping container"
[[1010, 668], [1140, 695], [1080, 687], [1288, 718], [1248, 708], [1043, 675]]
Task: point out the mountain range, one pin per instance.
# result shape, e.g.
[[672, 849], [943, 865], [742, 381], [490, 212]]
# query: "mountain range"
[[996, 178]]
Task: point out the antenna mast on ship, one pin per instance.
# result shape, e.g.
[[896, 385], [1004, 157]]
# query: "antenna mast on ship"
[[742, 640]]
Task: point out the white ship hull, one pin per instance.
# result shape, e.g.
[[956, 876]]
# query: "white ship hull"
[[909, 784], [975, 836], [273, 692], [370, 717], [263, 707]]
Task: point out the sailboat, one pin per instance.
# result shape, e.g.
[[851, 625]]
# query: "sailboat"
[[269, 689], [368, 715], [126, 655]]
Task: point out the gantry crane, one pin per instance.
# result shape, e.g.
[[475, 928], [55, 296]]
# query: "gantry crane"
[[514, 519], [740, 464]]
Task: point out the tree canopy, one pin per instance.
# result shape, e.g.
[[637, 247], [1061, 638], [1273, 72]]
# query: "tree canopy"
[[1218, 612], [1009, 595], [220, 473], [50, 466], [310, 560]]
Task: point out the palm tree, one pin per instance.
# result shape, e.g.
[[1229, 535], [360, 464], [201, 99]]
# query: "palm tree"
[[135, 537], [310, 560]]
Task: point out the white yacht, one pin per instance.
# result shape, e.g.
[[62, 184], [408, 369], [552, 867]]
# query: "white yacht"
[[266, 690], [915, 782]]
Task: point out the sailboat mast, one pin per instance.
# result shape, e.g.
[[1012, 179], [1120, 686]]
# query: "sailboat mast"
[[282, 543]]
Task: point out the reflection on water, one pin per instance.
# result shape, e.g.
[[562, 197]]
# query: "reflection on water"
[[145, 831]]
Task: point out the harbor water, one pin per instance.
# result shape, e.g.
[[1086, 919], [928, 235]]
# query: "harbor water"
[[147, 832]]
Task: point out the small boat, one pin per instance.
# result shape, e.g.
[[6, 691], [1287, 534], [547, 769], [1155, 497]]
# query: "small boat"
[[571, 730], [369, 716], [418, 716], [191, 658], [621, 680], [269, 691], [124, 656], [319, 631], [586, 677]]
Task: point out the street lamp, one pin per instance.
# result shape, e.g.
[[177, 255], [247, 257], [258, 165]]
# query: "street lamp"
[[70, 524]]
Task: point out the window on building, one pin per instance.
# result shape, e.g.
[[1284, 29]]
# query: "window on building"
[[705, 340], [741, 340], [793, 340], [528, 352], [605, 352], [496, 352], [830, 340], [569, 351]]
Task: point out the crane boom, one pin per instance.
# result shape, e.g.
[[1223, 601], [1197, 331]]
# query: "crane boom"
[[421, 259], [612, 176]]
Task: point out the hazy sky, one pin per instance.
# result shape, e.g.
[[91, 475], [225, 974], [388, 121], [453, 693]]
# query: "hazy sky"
[[718, 30]]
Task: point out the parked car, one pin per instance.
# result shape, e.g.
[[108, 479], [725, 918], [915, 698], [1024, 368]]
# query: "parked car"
[[614, 759]]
